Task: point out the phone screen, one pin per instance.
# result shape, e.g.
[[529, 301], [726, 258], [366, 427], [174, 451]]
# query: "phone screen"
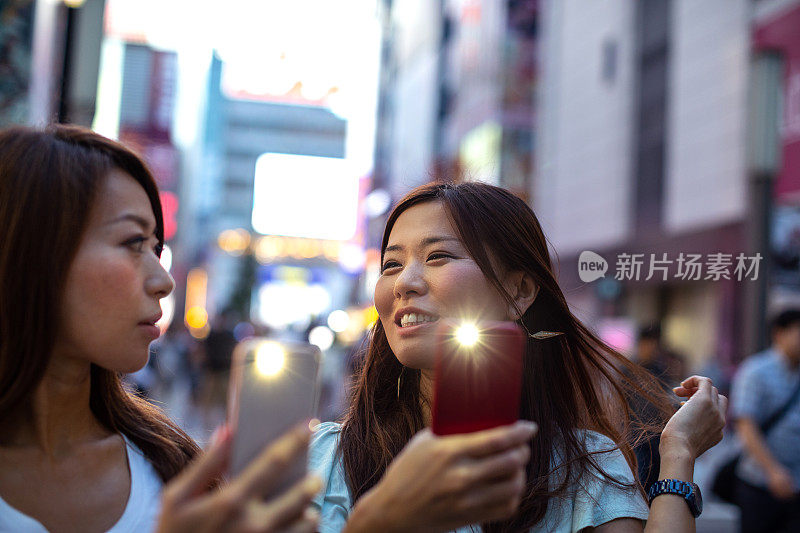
[[478, 376], [274, 385]]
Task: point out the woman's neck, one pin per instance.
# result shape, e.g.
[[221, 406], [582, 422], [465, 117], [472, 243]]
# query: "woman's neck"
[[57, 415]]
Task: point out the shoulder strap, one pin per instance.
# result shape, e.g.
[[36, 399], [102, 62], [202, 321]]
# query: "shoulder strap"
[[777, 415]]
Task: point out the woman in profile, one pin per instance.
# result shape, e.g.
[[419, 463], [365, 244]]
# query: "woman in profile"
[[80, 285]]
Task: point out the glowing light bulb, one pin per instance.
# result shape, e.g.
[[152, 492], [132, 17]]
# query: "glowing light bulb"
[[270, 359], [467, 334]]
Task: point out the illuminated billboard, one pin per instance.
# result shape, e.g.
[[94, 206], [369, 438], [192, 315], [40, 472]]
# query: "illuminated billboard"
[[305, 196]]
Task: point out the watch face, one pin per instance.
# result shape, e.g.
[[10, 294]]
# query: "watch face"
[[697, 497]]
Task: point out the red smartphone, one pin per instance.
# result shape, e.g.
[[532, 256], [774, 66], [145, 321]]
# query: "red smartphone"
[[477, 377]]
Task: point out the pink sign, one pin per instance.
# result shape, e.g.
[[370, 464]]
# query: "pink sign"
[[782, 34]]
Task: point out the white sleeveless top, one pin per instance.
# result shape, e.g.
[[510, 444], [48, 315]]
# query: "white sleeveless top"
[[141, 511]]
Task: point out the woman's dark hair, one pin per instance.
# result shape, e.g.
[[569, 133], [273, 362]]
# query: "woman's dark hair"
[[572, 381], [49, 180], [785, 319]]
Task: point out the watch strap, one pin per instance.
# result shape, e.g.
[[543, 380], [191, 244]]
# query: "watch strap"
[[688, 491]]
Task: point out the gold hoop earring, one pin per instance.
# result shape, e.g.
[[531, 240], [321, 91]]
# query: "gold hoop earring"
[[398, 381]]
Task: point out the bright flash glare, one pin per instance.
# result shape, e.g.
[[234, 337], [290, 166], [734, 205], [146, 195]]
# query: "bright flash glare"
[[270, 358], [467, 334]]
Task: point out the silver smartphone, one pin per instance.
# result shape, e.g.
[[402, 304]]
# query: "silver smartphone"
[[274, 385]]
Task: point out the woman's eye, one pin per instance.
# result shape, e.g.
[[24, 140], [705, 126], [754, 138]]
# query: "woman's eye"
[[438, 255], [136, 243], [389, 264]]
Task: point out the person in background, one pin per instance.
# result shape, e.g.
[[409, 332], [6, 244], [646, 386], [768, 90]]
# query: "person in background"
[[80, 287], [651, 355], [217, 354], [766, 386]]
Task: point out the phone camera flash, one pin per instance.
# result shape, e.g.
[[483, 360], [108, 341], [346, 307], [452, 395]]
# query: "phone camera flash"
[[270, 359], [467, 334]]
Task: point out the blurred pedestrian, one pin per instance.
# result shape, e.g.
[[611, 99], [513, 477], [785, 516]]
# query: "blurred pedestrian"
[[766, 393], [651, 354], [80, 286], [217, 354]]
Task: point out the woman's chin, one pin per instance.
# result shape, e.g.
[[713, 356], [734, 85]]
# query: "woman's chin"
[[127, 365], [416, 359]]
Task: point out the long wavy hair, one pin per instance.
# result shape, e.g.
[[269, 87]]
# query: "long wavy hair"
[[572, 381], [48, 183]]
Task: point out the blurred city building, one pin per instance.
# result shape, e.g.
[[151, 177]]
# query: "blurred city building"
[[281, 133], [627, 125], [643, 150]]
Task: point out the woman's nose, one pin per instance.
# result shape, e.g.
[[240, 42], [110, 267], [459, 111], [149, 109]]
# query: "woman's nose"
[[411, 281], [160, 283]]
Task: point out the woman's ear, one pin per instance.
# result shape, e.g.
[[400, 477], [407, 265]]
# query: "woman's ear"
[[523, 291]]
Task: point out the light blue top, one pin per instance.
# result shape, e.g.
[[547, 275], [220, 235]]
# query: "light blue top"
[[591, 501], [762, 385]]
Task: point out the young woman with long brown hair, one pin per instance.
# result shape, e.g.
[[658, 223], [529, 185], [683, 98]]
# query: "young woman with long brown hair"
[[81, 233], [476, 251]]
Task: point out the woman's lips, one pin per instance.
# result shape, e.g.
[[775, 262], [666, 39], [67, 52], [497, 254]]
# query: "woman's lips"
[[150, 329], [416, 328]]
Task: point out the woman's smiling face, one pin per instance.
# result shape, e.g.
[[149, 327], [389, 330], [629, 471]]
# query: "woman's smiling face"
[[427, 274]]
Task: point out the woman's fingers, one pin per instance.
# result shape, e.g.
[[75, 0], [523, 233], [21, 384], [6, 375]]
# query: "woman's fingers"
[[283, 511], [265, 471], [306, 524], [495, 440], [684, 392], [498, 466], [694, 381], [202, 472], [690, 385], [497, 501]]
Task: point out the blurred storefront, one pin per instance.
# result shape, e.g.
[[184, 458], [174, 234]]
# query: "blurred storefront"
[[643, 143], [625, 124], [776, 29]]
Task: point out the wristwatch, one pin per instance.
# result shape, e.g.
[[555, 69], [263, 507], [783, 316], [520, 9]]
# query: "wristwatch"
[[689, 491]]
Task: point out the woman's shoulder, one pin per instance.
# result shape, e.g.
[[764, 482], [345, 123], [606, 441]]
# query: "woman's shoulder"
[[333, 502], [326, 430], [598, 444], [598, 495], [324, 441], [607, 455]]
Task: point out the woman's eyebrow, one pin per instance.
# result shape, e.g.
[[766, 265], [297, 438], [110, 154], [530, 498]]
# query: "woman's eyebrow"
[[130, 217], [427, 241]]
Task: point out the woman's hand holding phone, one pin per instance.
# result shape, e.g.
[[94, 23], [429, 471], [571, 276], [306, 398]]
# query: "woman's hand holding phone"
[[438, 483], [189, 505]]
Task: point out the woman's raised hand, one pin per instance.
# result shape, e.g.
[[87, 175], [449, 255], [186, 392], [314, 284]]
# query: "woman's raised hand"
[[190, 505], [698, 424], [438, 483]]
